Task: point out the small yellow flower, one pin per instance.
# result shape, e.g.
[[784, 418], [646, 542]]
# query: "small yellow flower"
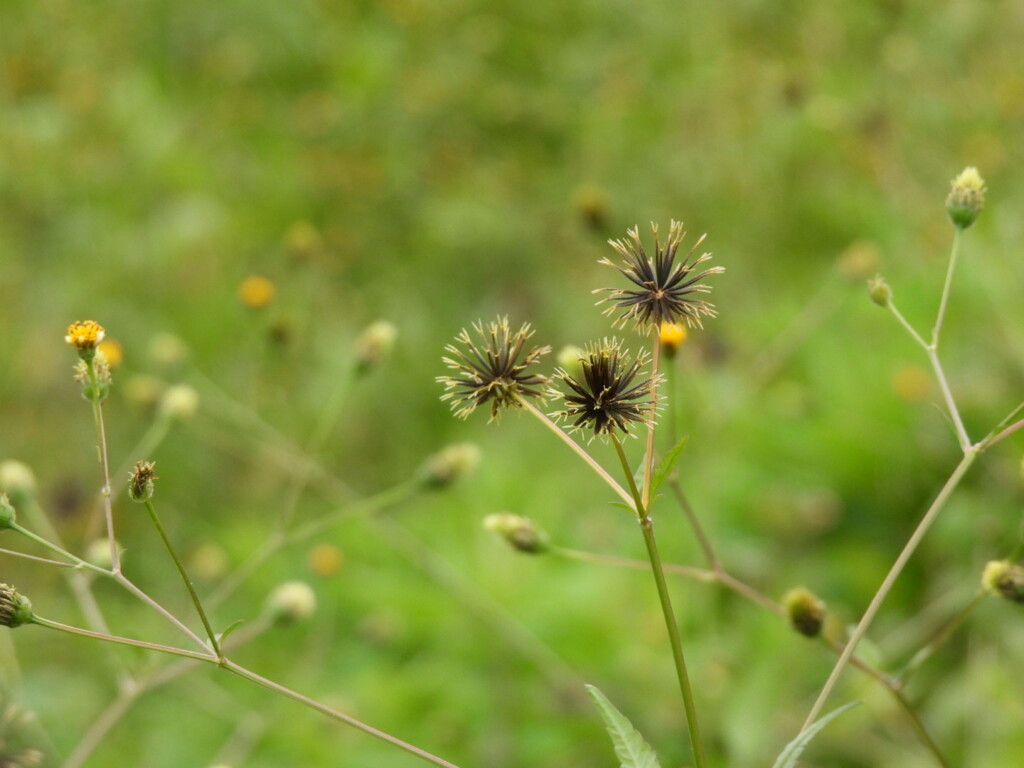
[[84, 336], [256, 291], [112, 350], [672, 336]]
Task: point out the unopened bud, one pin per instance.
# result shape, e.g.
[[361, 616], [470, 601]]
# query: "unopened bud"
[[1005, 579], [805, 611], [17, 481], [7, 513], [966, 198], [671, 336], [140, 485], [569, 359], [180, 401], [520, 532], [291, 601], [450, 464], [375, 344], [15, 608], [879, 291]]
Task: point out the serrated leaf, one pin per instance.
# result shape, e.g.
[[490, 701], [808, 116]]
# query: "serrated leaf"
[[792, 751], [666, 465], [630, 747]]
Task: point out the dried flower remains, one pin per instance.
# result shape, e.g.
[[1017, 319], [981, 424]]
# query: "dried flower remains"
[[606, 396], [492, 370], [664, 290]]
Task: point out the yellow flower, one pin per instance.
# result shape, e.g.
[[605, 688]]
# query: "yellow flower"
[[85, 335], [256, 291], [112, 350], [672, 336]]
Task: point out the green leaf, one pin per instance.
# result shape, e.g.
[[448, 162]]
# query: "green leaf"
[[630, 747], [792, 751], [666, 465], [233, 626]]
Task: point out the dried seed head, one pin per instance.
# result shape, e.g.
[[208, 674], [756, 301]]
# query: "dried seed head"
[[805, 611], [606, 396], [493, 370], [140, 485], [663, 291], [15, 608], [966, 198], [520, 532]]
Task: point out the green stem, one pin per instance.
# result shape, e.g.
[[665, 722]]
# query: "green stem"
[[251, 676], [941, 316], [50, 624], [101, 447], [645, 497], [890, 579], [76, 562], [647, 527], [578, 450], [940, 638], [184, 577]]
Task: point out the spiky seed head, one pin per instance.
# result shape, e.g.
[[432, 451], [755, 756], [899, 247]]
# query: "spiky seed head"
[[663, 290], [492, 369], [607, 396], [966, 198]]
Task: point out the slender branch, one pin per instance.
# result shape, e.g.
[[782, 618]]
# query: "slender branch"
[[953, 253], [890, 579], [645, 498], [125, 582], [919, 729], [108, 638], [947, 394], [698, 529], [560, 433], [907, 326], [101, 447], [46, 560], [940, 638], [1004, 434], [184, 577]]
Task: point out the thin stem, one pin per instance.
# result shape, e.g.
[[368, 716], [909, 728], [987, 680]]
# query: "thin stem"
[[185, 578], [51, 624], [602, 473], [334, 714], [647, 526], [1004, 434], [919, 729], [645, 499], [76, 562], [253, 677], [101, 446], [907, 326], [125, 582], [953, 253], [698, 530], [637, 501], [940, 638], [46, 560], [890, 579], [698, 574]]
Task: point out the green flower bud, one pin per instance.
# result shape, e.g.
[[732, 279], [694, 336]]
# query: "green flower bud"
[[15, 608], [7, 513], [966, 198], [520, 532], [451, 463], [805, 611], [140, 485], [18, 482], [879, 291], [291, 601], [1004, 579], [375, 344]]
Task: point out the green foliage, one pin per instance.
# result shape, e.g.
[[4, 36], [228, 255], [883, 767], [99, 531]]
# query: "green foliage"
[[793, 750], [630, 747]]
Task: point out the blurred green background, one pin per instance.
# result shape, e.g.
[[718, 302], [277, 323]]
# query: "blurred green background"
[[433, 163]]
